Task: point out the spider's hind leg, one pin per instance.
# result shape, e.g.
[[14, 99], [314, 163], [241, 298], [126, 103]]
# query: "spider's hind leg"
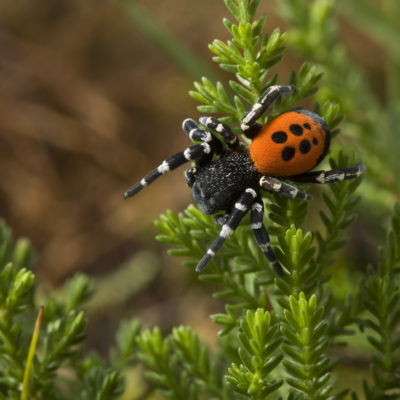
[[334, 175]]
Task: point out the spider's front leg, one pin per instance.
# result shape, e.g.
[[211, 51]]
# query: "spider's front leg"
[[240, 208], [169, 164], [201, 153], [199, 135], [276, 186], [248, 200], [222, 219], [231, 140], [249, 126], [333, 175], [261, 235], [196, 134]]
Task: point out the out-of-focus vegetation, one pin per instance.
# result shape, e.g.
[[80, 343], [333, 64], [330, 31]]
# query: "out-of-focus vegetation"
[[92, 95]]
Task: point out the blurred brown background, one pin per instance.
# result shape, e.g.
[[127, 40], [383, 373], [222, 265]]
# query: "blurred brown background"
[[88, 105]]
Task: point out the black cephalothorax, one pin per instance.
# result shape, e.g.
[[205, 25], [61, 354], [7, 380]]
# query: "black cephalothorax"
[[219, 184]]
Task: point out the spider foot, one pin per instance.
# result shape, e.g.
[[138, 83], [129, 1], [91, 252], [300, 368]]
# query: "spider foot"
[[221, 219], [190, 176], [192, 129], [224, 130]]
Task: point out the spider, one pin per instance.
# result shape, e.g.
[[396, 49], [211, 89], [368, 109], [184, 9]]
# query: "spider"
[[229, 178]]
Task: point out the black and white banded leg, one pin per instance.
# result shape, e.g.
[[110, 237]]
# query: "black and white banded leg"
[[242, 205], [230, 138], [191, 153], [276, 186], [201, 153], [266, 99], [334, 175], [196, 134], [192, 129], [261, 235]]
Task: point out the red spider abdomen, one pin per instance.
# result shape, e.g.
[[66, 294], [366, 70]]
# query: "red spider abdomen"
[[290, 144]]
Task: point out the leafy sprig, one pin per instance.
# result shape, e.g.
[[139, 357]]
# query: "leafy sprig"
[[249, 56], [259, 342], [381, 297], [180, 365], [306, 345], [59, 341]]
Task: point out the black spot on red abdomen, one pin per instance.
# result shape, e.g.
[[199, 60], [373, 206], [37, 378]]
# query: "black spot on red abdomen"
[[279, 137], [296, 129], [305, 146], [288, 153]]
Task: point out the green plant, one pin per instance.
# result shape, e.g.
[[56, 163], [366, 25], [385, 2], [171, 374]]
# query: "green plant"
[[311, 321], [59, 341]]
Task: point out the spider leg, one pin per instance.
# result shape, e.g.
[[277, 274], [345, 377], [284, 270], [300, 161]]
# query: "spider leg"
[[276, 186], [261, 235], [222, 219], [334, 175], [190, 176], [191, 128], [231, 140], [242, 205], [201, 153], [191, 153], [196, 134], [266, 99]]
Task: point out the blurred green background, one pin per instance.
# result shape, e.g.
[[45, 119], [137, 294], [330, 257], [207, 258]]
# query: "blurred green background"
[[90, 101]]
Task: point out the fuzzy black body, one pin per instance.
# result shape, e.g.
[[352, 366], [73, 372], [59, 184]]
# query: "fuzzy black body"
[[220, 183]]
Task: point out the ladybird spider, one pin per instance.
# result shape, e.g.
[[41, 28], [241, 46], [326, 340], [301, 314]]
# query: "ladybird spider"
[[288, 146]]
